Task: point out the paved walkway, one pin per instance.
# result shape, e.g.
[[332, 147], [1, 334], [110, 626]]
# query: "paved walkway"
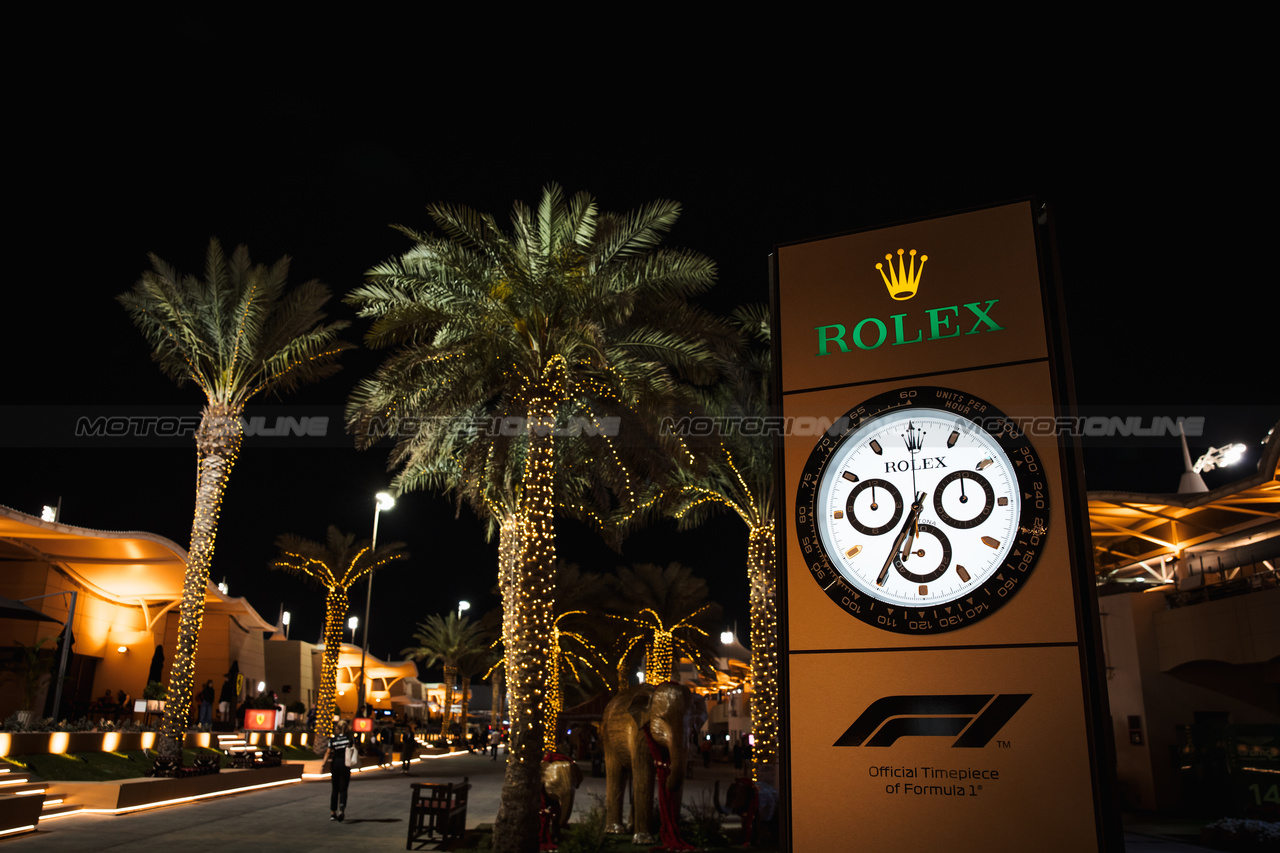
[[296, 817]]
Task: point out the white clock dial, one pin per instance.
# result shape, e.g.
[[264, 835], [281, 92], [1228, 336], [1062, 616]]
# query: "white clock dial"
[[968, 506]]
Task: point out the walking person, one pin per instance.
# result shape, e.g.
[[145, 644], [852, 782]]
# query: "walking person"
[[494, 740], [226, 699], [408, 744], [206, 704], [339, 758]]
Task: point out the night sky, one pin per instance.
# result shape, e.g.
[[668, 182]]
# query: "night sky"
[[191, 128]]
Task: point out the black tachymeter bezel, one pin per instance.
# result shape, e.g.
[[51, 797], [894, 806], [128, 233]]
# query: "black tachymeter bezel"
[[980, 601]]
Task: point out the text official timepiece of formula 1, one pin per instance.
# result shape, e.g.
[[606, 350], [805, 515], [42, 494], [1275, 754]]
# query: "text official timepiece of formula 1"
[[922, 510]]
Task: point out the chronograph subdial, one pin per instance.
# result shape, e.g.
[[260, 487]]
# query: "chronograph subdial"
[[874, 507], [963, 499], [930, 553]]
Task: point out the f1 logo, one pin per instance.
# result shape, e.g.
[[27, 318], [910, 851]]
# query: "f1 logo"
[[972, 718]]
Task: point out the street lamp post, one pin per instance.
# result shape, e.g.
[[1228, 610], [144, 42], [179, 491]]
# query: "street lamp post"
[[351, 626], [381, 501]]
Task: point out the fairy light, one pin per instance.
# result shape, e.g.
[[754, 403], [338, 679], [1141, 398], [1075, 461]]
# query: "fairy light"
[[661, 642], [732, 490], [233, 335], [563, 658], [510, 298], [763, 687], [217, 446]]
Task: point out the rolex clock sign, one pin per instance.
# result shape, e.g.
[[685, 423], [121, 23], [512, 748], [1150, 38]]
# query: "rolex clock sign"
[[939, 654]]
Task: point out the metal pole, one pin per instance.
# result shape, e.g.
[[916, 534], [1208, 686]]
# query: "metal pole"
[[66, 650], [368, 599], [66, 630]]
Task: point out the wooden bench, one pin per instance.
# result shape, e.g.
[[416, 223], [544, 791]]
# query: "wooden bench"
[[437, 807]]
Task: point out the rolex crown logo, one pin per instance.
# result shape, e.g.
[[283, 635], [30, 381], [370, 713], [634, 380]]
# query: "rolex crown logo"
[[914, 438], [902, 283]]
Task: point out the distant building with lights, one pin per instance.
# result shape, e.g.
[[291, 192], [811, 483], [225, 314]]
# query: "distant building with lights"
[[1189, 599], [389, 685], [728, 694]]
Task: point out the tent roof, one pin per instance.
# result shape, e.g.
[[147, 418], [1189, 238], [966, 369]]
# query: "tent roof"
[[131, 568]]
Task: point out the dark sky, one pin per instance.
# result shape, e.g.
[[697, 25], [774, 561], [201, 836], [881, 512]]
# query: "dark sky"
[[310, 146]]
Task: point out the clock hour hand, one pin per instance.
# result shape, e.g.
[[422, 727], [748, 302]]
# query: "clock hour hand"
[[914, 522], [906, 530]]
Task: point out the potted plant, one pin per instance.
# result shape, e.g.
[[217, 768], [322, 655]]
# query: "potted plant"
[[155, 694], [31, 670]]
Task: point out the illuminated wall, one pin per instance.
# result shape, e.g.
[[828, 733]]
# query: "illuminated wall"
[[103, 626]]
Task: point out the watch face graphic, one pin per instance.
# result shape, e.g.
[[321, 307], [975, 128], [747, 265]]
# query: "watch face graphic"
[[922, 510]]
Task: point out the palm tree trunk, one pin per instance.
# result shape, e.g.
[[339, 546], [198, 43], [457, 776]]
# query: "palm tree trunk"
[[464, 682], [446, 721], [527, 623], [217, 444], [335, 608], [495, 684], [762, 574]]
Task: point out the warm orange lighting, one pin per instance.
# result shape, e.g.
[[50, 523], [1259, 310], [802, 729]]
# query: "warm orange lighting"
[[18, 829]]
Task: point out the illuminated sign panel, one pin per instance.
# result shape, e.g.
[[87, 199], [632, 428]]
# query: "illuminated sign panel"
[[260, 720], [929, 588]]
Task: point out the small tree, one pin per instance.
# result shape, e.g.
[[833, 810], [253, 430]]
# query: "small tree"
[[32, 669], [336, 565], [665, 611], [453, 641]]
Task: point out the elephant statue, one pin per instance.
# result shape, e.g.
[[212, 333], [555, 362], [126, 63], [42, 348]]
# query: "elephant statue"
[[560, 779], [755, 802], [671, 714]]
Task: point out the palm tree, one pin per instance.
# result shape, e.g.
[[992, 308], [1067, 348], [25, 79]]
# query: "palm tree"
[[335, 564], [736, 474], [667, 614], [518, 354], [234, 334], [576, 660], [457, 644]]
